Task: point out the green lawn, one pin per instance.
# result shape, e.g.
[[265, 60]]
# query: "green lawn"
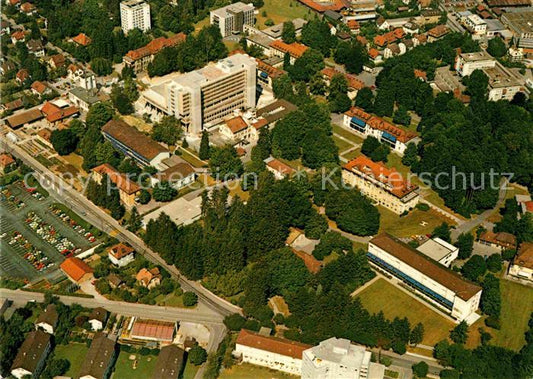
[[517, 305], [343, 145], [247, 371], [188, 157], [412, 224], [337, 129], [352, 154], [190, 371], [171, 300], [383, 296], [144, 366], [75, 353], [280, 11]]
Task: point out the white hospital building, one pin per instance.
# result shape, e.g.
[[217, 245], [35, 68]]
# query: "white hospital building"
[[232, 18], [135, 14]]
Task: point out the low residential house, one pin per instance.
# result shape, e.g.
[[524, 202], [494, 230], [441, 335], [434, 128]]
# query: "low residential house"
[[47, 320], [382, 23], [269, 115], [500, 240], [100, 359], [56, 61], [5, 27], [363, 41], [354, 26], [525, 203], [522, 264], [121, 255], [76, 270], [82, 39], [149, 278], [28, 8], [392, 50], [31, 357], [354, 84], [420, 39], [278, 168], [114, 281], [278, 48], [429, 16], [55, 115], [422, 75], [6, 67], [128, 190], [97, 318], [169, 363], [18, 36], [179, 175], [22, 118], [272, 352], [35, 47], [7, 163], [437, 33], [153, 330], [15, 3], [39, 88], [411, 28], [83, 98], [385, 186], [13, 105], [22, 75], [235, 128], [139, 59], [375, 56]]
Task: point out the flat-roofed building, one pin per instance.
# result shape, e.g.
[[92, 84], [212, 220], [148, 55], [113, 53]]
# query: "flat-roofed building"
[[169, 363], [135, 14], [475, 24], [100, 358], [519, 21], [275, 353], [503, 84], [338, 358], [383, 185], [32, 354], [135, 144], [522, 265], [231, 18], [205, 97], [467, 63], [441, 286], [439, 250]]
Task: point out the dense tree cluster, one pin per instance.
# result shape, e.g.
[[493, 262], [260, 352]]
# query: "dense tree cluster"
[[106, 195], [316, 34], [522, 228], [352, 55], [168, 130]]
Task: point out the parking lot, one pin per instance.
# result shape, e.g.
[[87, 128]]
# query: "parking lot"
[[36, 236]]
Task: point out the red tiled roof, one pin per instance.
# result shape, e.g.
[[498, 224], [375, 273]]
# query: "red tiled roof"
[[155, 46], [280, 167], [82, 39], [236, 124], [422, 38], [160, 330], [49, 108], [240, 152], [58, 60], [75, 268], [438, 31], [15, 104], [353, 24], [62, 113], [23, 74], [27, 7], [392, 179], [38, 86], [260, 123], [502, 239], [313, 265], [529, 206], [178, 171], [120, 250], [353, 82], [272, 71], [14, 2], [449, 279], [524, 258], [402, 135], [373, 53], [272, 344], [295, 49], [319, 6], [362, 40], [359, 113], [18, 35], [389, 37], [6, 160], [421, 74], [122, 182]]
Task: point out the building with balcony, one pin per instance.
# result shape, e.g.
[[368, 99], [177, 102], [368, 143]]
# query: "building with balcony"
[[442, 287]]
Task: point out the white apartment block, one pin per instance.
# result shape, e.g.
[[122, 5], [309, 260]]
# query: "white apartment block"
[[272, 352], [231, 19], [205, 97], [440, 286], [439, 250], [475, 25], [467, 63], [385, 186], [135, 14], [337, 358]]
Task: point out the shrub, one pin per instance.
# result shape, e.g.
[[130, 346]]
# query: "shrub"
[[423, 207], [190, 299]]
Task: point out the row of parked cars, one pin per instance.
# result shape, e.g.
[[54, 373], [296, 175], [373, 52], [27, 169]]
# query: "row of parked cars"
[[31, 254], [49, 234], [73, 224]]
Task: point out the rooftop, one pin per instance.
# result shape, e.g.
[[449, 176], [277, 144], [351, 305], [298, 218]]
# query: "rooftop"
[[342, 352], [352, 80], [436, 248], [295, 49], [48, 316], [133, 3], [82, 39], [524, 258], [500, 77], [119, 179], [99, 357], [31, 350], [276, 110], [99, 314], [169, 362], [120, 250], [322, 6], [160, 330], [233, 8], [272, 344], [87, 96], [236, 124], [6, 160], [413, 258], [500, 238], [23, 118], [477, 56], [75, 268], [402, 135], [520, 19], [155, 46], [279, 166], [178, 171]]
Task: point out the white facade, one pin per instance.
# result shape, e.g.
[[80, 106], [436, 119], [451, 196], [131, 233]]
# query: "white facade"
[[46, 327], [337, 358], [122, 261], [96, 324], [440, 251], [232, 18], [437, 288], [135, 14], [475, 24], [467, 63], [269, 359], [205, 97]]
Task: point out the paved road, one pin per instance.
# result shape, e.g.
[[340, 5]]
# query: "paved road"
[[480, 219], [407, 360]]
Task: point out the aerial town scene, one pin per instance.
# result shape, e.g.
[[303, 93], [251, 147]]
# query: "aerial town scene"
[[266, 189]]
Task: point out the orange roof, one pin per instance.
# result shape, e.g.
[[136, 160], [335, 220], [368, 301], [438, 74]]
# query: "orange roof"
[[154, 329], [62, 113], [392, 179], [120, 180], [398, 33], [353, 82], [6, 160], [362, 40], [82, 39], [14, 2], [380, 40], [280, 167], [27, 7], [45, 134], [352, 24], [503, 239], [438, 31], [272, 71], [155, 46], [23, 74], [295, 49], [273, 344], [240, 152], [402, 135], [38, 86], [373, 53], [144, 276], [236, 124], [421, 74], [49, 108], [313, 265], [75, 268], [18, 34], [262, 122], [524, 258], [389, 37], [359, 113], [529, 206], [120, 250], [321, 6]]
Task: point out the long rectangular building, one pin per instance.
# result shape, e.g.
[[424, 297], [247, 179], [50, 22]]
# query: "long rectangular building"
[[204, 97], [443, 287]]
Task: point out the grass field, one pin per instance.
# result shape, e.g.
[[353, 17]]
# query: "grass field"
[[170, 300], [341, 144], [188, 157], [517, 305], [411, 224], [75, 353], [144, 366], [280, 11], [246, 371], [190, 371], [383, 296], [337, 129]]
